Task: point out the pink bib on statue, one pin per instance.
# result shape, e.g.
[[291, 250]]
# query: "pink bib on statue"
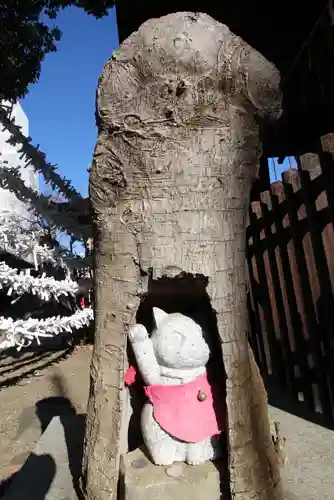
[[186, 411]]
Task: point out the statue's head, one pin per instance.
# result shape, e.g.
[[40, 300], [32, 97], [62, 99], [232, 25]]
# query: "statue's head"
[[178, 341]]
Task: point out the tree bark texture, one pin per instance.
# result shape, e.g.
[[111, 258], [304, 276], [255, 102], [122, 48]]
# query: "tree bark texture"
[[177, 151]]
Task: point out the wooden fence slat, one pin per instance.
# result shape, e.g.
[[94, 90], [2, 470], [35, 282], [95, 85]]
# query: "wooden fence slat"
[[310, 162], [252, 333], [327, 142], [257, 340], [327, 167], [277, 360], [291, 181], [278, 295]]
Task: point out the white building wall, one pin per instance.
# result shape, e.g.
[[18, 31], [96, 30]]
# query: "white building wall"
[[9, 204]]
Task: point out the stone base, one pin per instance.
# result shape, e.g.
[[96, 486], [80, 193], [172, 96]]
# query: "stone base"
[[142, 480]]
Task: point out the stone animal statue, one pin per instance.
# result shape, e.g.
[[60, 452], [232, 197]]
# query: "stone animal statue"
[[180, 421]]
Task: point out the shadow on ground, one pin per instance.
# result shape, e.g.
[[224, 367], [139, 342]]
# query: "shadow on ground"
[[15, 366], [40, 483], [38, 472], [280, 398]]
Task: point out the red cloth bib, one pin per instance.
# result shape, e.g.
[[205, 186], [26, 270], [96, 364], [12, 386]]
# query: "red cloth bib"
[[185, 411]]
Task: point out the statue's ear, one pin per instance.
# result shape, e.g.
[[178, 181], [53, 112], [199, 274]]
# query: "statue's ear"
[[159, 316]]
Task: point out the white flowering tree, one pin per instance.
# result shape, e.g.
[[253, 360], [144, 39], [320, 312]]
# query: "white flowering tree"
[[38, 240]]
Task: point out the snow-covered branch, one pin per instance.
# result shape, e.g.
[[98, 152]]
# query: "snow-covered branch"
[[10, 179], [60, 257], [21, 333], [33, 156], [20, 282], [22, 243]]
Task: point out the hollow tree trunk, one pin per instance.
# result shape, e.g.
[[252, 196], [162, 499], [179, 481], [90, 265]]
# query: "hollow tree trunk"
[[177, 150]]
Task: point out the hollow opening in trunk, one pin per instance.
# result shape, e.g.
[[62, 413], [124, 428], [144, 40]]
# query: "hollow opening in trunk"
[[186, 294]]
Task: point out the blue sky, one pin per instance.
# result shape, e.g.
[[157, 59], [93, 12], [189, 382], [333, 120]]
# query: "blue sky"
[[276, 170], [61, 106]]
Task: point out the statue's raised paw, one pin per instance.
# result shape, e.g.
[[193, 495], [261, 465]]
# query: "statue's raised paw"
[[137, 333]]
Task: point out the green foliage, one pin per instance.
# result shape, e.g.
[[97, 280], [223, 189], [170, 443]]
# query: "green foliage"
[[25, 39]]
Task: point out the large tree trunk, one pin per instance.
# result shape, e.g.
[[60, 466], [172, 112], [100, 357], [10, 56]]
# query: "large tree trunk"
[[177, 150]]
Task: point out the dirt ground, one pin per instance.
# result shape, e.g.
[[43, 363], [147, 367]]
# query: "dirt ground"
[[34, 387]]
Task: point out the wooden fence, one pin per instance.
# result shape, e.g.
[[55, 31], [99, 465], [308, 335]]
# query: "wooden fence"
[[290, 255]]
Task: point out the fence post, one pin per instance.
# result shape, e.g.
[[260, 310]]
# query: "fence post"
[[310, 163], [327, 143]]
